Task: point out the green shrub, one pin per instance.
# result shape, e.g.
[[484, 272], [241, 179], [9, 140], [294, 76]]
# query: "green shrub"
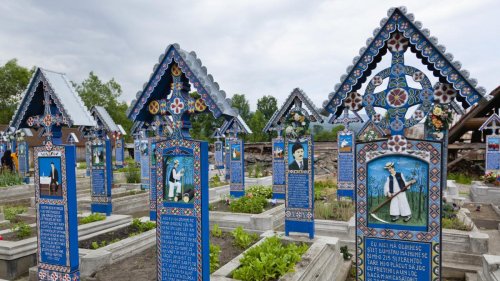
[[94, 245], [215, 181], [455, 223], [260, 190], [132, 174], [256, 170], [92, 218], [22, 230], [243, 239], [216, 231], [214, 258], [249, 204], [9, 179], [138, 226], [323, 188], [460, 178], [11, 211], [269, 261], [81, 165]]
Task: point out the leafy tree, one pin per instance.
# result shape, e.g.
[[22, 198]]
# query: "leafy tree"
[[94, 92], [317, 129], [257, 123], [13, 81], [241, 103], [267, 105], [328, 135]]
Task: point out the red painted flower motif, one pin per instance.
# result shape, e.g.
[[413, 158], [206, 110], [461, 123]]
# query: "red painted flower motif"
[[444, 93], [397, 97], [397, 143], [377, 117], [353, 101], [397, 43], [177, 106]]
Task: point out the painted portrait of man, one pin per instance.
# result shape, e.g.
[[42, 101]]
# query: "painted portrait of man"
[[299, 162]]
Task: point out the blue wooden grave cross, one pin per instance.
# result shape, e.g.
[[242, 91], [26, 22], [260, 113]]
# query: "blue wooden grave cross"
[[51, 121], [398, 97], [346, 119]]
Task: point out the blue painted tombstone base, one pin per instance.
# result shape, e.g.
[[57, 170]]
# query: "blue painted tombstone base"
[[101, 180], [57, 221], [345, 193], [299, 226]]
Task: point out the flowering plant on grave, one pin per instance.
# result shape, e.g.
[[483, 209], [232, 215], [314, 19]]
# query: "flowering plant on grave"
[[490, 177], [296, 125], [440, 118]]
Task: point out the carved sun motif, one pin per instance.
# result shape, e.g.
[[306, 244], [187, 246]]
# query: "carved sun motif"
[[176, 71]]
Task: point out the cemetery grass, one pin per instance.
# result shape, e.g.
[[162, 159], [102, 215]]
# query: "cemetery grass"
[[143, 265]]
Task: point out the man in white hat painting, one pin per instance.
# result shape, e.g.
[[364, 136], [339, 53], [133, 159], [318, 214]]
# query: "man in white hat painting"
[[399, 203], [174, 181]]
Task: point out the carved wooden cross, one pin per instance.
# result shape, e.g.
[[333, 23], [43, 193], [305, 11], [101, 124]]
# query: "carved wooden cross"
[[48, 120]]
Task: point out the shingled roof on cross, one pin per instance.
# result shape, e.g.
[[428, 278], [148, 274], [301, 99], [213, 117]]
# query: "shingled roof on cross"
[[192, 69], [431, 54], [61, 92]]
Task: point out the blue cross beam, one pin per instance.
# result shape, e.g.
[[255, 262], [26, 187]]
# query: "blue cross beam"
[[50, 122], [346, 119]]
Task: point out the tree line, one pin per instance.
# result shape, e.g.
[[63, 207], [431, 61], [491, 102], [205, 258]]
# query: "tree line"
[[93, 91]]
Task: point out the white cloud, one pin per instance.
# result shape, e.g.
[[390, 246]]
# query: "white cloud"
[[250, 47]]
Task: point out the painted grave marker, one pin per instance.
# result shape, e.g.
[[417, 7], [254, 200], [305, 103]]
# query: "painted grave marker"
[[237, 168], [492, 167], [235, 153], [119, 152], [23, 159], [181, 163], [145, 159], [279, 168], [55, 173], [101, 176], [400, 180], [55, 194]]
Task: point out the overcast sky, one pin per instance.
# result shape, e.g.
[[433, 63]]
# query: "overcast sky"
[[252, 47]]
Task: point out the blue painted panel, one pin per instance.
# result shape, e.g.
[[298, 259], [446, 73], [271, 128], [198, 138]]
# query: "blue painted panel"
[[237, 168], [101, 176], [145, 158], [414, 241], [299, 196], [55, 194], [493, 153], [119, 152], [137, 151], [219, 155], [183, 241], [394, 260], [279, 179]]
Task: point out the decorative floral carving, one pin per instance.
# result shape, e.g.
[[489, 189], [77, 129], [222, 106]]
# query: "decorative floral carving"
[[397, 97], [353, 101], [397, 43], [397, 143], [444, 93]]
